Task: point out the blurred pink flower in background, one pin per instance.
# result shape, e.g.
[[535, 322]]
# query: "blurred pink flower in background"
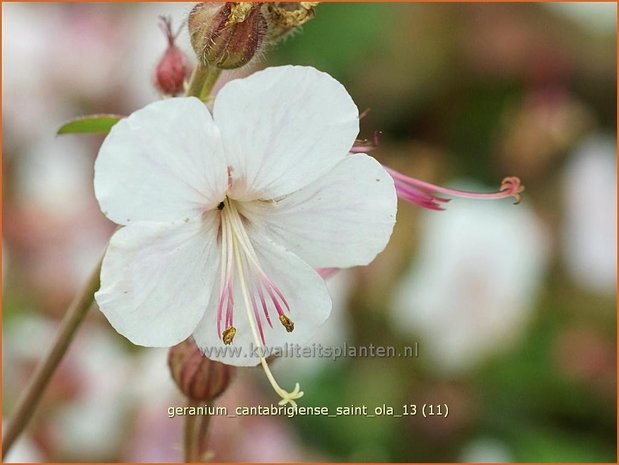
[[87, 403]]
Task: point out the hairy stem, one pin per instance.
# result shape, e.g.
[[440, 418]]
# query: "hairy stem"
[[33, 392], [209, 82], [197, 81], [202, 82]]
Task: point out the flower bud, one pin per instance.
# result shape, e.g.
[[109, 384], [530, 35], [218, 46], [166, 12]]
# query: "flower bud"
[[173, 68], [285, 17], [228, 35], [198, 377]]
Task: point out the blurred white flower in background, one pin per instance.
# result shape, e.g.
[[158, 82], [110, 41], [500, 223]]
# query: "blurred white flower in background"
[[597, 17], [473, 282], [86, 403], [24, 451], [154, 436], [590, 220], [94, 56], [24, 94], [486, 450], [102, 53], [91, 424]]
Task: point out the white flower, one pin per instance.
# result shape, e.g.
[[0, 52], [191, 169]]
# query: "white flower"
[[227, 216], [474, 283], [590, 222]]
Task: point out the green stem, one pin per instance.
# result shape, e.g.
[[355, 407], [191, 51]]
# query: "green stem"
[[202, 82], [209, 82], [197, 81], [33, 392]]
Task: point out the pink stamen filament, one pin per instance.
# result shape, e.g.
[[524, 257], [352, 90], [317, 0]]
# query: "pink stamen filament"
[[510, 187], [418, 197], [276, 304], [264, 306], [235, 235], [270, 289], [423, 193]]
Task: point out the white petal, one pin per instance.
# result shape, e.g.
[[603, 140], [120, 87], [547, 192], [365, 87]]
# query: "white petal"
[[343, 219], [157, 279], [304, 290], [282, 128], [162, 163]]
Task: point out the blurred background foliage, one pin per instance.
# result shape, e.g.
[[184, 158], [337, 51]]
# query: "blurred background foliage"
[[514, 308]]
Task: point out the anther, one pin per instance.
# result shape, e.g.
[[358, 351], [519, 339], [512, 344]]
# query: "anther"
[[220, 206], [287, 323], [228, 335]]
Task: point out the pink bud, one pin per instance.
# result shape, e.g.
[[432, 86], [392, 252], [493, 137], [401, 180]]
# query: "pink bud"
[[198, 377], [173, 68]]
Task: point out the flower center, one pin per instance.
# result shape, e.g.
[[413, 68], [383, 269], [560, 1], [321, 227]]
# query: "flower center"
[[265, 297], [261, 297]]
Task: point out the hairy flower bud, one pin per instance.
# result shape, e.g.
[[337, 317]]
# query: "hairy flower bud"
[[198, 377], [173, 68], [285, 17], [227, 35]]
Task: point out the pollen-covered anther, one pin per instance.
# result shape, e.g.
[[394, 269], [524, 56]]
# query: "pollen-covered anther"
[[512, 185], [287, 323], [228, 335]]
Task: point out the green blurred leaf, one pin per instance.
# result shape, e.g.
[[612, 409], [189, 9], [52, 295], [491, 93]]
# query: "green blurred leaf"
[[90, 124]]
